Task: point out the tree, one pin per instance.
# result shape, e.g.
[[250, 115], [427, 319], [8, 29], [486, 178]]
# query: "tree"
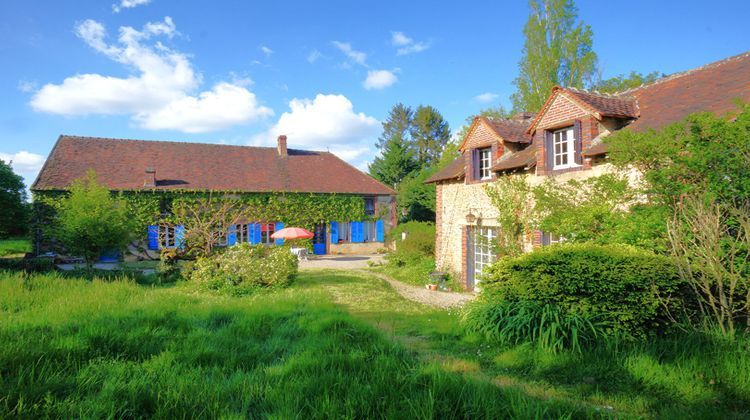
[[621, 83], [92, 220], [207, 221], [396, 125], [429, 135], [396, 162], [417, 199], [13, 207], [557, 51]]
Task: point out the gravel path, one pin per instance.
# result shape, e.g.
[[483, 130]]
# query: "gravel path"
[[340, 262], [422, 295]]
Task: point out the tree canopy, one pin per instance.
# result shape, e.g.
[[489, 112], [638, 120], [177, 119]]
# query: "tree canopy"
[[557, 51], [13, 207]]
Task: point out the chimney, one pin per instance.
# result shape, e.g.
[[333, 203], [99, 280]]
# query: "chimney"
[[281, 147], [150, 179], [523, 116]]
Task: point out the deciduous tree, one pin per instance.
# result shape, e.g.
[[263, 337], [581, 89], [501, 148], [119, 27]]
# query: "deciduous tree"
[[557, 51], [13, 207]]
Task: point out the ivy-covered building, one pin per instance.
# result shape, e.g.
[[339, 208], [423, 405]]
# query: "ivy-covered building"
[[349, 212], [563, 140]]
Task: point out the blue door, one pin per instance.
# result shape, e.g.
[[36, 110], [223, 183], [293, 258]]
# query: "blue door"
[[319, 240]]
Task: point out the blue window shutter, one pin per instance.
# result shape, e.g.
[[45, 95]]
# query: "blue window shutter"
[[279, 226], [179, 236], [256, 233], [250, 232], [334, 232], [232, 235], [153, 237], [379, 231], [358, 231]]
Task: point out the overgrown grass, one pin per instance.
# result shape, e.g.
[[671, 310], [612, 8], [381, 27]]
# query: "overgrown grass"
[[14, 246], [333, 345], [77, 348]]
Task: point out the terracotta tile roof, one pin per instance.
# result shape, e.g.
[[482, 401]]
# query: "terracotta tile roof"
[[454, 171], [520, 159], [712, 88], [121, 165], [605, 105], [513, 131]]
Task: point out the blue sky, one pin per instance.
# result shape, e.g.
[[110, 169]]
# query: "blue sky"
[[324, 73]]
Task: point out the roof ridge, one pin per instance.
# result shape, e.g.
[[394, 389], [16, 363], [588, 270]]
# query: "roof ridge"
[[687, 72], [120, 139]]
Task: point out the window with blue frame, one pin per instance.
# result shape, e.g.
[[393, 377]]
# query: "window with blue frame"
[[266, 230], [355, 232]]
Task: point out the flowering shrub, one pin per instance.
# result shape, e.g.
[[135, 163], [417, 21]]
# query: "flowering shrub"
[[244, 268]]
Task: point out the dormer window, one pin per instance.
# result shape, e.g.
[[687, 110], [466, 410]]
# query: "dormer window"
[[563, 148], [485, 163]]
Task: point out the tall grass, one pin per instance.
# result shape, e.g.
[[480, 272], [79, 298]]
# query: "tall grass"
[[79, 348], [526, 321]]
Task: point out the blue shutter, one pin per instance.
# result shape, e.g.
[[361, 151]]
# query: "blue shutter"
[[334, 232], [357, 231], [232, 235], [179, 236], [257, 230], [153, 237], [279, 226], [379, 231], [250, 232]]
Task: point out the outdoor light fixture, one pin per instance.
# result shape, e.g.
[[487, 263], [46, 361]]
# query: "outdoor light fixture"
[[470, 217]]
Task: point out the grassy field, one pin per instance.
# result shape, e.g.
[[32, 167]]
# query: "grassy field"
[[333, 345], [14, 246]]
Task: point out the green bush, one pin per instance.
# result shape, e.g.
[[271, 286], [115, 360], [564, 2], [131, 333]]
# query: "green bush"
[[527, 321], [420, 238], [32, 265], [630, 292], [244, 268]]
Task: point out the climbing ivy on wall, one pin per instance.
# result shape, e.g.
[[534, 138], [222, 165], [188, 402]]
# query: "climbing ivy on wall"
[[294, 209]]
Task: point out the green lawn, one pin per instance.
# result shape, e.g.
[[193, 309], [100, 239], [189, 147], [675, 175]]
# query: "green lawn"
[[14, 246], [333, 345]]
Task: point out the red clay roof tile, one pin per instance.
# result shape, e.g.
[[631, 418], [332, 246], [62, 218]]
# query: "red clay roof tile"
[[121, 165]]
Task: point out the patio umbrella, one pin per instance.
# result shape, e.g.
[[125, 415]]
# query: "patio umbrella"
[[292, 233]]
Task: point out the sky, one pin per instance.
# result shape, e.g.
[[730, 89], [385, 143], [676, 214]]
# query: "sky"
[[324, 73]]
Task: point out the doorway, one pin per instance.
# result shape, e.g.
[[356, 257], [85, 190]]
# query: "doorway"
[[481, 253], [319, 239]]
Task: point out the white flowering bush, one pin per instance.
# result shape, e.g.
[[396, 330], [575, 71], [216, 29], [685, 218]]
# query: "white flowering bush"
[[245, 268]]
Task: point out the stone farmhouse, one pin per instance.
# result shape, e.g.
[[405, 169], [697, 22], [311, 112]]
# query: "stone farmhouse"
[[562, 140], [159, 167]]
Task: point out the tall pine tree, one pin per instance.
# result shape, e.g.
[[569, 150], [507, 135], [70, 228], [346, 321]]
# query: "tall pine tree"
[[429, 135], [557, 51], [395, 163], [396, 159]]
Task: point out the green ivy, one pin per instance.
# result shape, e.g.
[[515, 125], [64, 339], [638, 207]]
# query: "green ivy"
[[294, 209]]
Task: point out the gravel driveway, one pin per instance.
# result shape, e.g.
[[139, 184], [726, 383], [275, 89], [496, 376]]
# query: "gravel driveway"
[[428, 297]]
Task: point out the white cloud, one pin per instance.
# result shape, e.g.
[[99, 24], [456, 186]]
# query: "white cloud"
[[26, 86], [24, 163], [379, 79], [399, 39], [407, 45], [356, 56], [313, 56], [326, 122], [486, 97], [224, 105], [163, 85], [128, 4], [267, 51]]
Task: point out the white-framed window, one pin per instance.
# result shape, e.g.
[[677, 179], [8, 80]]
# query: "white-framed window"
[[370, 232], [484, 249], [167, 237], [242, 233], [485, 163], [563, 148], [266, 230]]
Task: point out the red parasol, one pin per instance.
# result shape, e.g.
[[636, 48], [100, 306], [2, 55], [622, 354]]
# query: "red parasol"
[[292, 233]]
